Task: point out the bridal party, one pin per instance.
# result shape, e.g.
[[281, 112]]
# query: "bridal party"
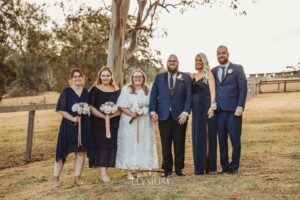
[[114, 127]]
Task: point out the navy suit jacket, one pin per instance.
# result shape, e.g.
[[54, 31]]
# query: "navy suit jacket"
[[161, 100], [232, 91]]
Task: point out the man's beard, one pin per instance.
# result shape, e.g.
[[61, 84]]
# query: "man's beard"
[[172, 71], [223, 62]]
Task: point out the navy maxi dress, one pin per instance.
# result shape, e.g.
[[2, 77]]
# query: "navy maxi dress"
[[68, 131], [200, 105], [104, 151]]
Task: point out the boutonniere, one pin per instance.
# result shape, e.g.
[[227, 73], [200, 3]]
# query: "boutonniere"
[[230, 71], [179, 77]]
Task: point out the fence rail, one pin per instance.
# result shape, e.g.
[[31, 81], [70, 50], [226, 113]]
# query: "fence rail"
[[279, 83], [254, 87], [31, 115], [31, 107]]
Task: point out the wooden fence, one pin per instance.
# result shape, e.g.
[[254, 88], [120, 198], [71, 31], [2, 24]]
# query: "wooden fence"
[[281, 82], [254, 87], [31, 115]]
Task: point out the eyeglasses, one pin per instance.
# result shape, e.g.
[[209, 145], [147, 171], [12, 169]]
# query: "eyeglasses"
[[174, 61], [137, 77]]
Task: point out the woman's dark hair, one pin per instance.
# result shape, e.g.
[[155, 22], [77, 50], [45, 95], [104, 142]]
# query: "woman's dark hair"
[[73, 71]]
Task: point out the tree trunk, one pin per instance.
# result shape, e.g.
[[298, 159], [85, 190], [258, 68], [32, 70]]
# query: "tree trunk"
[[115, 58]]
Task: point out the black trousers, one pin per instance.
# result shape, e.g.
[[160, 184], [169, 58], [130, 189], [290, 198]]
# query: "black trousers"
[[172, 132]]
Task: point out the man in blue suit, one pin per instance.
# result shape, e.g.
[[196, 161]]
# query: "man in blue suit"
[[170, 105], [231, 93]]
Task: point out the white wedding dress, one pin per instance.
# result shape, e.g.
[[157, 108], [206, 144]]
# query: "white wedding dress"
[[131, 154]]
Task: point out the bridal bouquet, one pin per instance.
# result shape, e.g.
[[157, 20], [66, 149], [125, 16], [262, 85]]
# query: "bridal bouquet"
[[140, 109], [80, 109], [108, 108]]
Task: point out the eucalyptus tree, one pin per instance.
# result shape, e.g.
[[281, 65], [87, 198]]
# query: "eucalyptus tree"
[[124, 39]]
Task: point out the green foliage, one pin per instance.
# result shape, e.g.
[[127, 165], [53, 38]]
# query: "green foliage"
[[16, 91], [149, 69], [8, 71]]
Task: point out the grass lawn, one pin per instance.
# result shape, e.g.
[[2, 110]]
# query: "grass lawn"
[[270, 161]]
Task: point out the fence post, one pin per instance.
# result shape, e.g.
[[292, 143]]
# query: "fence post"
[[30, 134], [259, 87], [284, 88], [278, 87]]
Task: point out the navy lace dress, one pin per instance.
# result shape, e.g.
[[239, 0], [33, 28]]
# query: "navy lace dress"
[[103, 152], [68, 131], [200, 105]]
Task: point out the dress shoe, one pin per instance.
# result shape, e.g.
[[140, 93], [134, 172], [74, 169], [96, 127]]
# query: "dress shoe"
[[77, 181], [105, 179], [207, 170], [130, 177], [166, 174], [223, 171], [199, 173], [180, 173], [213, 172], [233, 171]]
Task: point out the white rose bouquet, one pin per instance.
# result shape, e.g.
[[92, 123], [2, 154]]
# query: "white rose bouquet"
[[81, 109], [138, 108], [108, 108]]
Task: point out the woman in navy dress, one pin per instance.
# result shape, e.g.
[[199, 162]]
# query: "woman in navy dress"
[[104, 150], [68, 140], [204, 134]]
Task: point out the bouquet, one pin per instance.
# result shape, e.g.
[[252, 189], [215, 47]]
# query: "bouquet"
[[80, 109], [140, 109], [108, 108]]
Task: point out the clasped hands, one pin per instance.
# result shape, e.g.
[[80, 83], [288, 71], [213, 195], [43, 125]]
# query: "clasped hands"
[[182, 118]]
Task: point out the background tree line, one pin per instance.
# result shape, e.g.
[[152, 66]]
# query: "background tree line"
[[36, 53]]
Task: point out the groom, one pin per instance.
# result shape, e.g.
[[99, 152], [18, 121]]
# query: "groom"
[[231, 93], [170, 104]]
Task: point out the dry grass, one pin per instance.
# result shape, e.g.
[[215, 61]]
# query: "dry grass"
[[44, 98], [290, 87], [269, 163]]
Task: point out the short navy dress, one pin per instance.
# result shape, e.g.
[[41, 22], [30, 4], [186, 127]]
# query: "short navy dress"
[[68, 131]]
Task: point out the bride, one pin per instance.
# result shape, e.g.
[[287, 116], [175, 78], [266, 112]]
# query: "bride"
[[136, 138]]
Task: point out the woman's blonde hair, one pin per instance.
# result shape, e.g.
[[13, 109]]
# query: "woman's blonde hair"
[[145, 87], [206, 67], [98, 80]]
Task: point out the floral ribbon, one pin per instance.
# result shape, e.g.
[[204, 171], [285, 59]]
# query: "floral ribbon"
[[79, 131], [138, 129], [107, 127]]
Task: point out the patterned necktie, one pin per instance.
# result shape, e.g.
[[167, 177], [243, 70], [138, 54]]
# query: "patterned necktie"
[[223, 73]]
